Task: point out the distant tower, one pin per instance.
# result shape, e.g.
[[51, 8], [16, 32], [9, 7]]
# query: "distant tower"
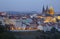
[[43, 10], [47, 9]]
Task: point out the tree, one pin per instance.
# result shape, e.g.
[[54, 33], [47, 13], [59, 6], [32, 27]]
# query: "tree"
[[1, 27]]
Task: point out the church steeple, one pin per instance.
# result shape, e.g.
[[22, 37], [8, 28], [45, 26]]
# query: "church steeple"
[[47, 9], [43, 9]]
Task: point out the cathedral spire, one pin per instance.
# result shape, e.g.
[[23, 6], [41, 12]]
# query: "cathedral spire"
[[43, 9], [47, 9]]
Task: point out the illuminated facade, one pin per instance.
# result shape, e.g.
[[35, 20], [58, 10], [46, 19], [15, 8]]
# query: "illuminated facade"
[[48, 14], [51, 11]]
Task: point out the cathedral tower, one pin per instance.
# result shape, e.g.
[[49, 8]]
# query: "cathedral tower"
[[43, 11]]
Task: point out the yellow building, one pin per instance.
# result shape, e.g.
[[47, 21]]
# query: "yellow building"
[[49, 19], [51, 11], [58, 17]]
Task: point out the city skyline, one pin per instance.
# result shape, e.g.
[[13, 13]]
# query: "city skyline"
[[28, 5]]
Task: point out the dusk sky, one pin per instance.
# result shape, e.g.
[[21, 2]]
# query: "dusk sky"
[[28, 5]]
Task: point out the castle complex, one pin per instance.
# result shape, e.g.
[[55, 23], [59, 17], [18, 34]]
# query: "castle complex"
[[48, 11]]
